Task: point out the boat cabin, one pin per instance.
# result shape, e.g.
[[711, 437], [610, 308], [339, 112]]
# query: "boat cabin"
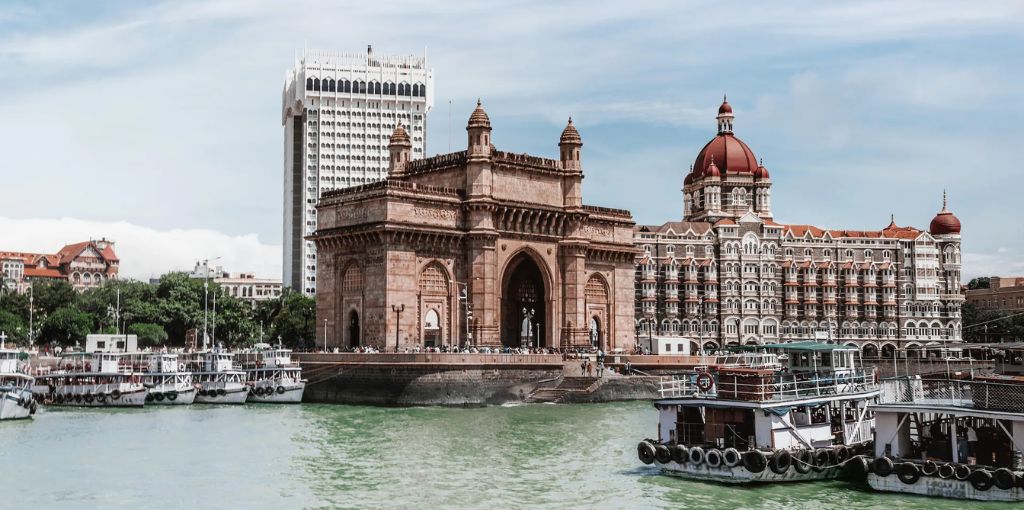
[[96, 362], [10, 361], [802, 395], [976, 421]]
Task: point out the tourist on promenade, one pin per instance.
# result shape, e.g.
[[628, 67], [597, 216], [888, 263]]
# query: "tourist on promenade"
[[629, 368], [583, 368], [600, 369]]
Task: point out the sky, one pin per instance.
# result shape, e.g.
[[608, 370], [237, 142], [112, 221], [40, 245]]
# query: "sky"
[[158, 124]]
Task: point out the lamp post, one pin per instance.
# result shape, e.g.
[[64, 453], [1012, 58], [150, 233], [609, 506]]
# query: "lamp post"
[[206, 299], [31, 307], [398, 309], [325, 335]]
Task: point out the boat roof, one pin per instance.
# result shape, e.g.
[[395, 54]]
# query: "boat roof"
[[797, 346]]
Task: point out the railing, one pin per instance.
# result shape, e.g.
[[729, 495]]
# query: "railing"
[[968, 394], [762, 386]]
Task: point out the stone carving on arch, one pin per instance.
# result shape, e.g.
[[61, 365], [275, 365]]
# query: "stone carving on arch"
[[598, 305], [349, 323]]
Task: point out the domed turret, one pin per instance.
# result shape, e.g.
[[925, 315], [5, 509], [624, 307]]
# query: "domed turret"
[[400, 149], [479, 118], [570, 136], [712, 171], [731, 155], [760, 173], [944, 223], [479, 130]]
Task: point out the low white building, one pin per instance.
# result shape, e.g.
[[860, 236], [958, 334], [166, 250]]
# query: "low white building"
[[111, 343]]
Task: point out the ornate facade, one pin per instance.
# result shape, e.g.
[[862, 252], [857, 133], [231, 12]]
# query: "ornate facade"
[[480, 246], [84, 265], [728, 274]]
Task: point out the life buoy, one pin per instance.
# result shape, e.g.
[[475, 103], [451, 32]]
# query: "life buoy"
[[882, 466], [929, 468], [731, 457], [755, 461], [680, 454], [803, 461], [101, 398], [908, 473], [696, 455], [842, 453], [149, 397], [88, 398], [202, 393], [220, 392], [645, 452], [961, 472], [981, 480], [705, 382], [78, 398], [1004, 479], [713, 458], [662, 455], [856, 468], [780, 462], [116, 394], [280, 390], [172, 396], [946, 471], [824, 458]]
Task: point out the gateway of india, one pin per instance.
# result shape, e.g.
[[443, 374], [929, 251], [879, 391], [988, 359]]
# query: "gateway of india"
[[479, 247], [493, 248]]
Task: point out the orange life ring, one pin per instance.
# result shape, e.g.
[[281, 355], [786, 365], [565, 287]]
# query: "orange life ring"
[[704, 381]]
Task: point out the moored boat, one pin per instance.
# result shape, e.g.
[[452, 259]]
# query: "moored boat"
[[83, 379], [166, 377], [273, 376], [950, 438], [217, 379], [16, 400], [782, 413]]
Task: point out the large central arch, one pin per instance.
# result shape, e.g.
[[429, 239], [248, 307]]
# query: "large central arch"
[[524, 304]]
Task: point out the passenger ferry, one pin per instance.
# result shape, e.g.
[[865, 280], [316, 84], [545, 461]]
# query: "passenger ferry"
[[166, 377], [781, 413], [217, 379], [950, 438], [273, 375], [16, 401], [84, 379]]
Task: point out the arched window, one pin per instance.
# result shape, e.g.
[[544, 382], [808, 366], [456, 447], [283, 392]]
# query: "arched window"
[[434, 281], [362, 87], [376, 88], [309, 83], [316, 84], [352, 280], [416, 90], [348, 86], [423, 90], [330, 85]]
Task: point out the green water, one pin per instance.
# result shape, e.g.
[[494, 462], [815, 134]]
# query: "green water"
[[319, 456]]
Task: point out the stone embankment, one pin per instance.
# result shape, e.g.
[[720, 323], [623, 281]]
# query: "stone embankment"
[[470, 379]]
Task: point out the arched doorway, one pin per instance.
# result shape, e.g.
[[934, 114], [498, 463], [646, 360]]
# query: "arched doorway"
[[431, 329], [523, 309], [595, 332], [870, 351], [353, 329]]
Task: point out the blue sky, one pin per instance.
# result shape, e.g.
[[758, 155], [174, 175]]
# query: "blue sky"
[[158, 124]]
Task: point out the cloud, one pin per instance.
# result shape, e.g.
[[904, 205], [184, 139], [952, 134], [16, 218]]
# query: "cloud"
[[1002, 263], [145, 252]]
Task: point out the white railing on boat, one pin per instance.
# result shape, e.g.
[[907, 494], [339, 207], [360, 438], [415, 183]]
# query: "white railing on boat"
[[768, 388], [967, 394]]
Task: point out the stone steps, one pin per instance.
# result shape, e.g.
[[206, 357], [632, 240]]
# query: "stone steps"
[[565, 386]]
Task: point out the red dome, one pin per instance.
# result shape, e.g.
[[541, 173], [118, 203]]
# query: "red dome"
[[712, 170], [725, 108], [761, 172], [730, 154], [944, 222]]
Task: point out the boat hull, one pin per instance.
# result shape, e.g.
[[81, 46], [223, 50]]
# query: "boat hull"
[[129, 398], [740, 475], [943, 488], [232, 395], [171, 397], [16, 405], [292, 394]]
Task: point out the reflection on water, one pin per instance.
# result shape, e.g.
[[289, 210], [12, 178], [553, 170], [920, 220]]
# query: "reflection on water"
[[319, 456]]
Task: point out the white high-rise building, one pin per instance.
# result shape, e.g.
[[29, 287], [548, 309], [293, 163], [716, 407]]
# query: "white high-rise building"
[[338, 112]]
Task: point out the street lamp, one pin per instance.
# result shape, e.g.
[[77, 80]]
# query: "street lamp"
[[398, 309], [325, 335], [206, 299]]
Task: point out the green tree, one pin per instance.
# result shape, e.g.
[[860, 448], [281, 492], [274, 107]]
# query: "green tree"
[[14, 327], [981, 282], [295, 322], [180, 304], [149, 334], [50, 295], [65, 326]]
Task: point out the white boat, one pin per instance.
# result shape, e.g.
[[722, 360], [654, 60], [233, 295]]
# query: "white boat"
[[16, 400], [781, 413], [83, 379], [950, 438], [166, 377], [217, 379], [273, 376]]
